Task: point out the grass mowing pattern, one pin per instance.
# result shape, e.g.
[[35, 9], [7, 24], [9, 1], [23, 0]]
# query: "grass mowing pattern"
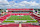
[[25, 17], [17, 17]]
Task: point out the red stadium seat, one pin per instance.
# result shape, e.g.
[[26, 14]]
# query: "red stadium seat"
[[29, 25], [11, 25]]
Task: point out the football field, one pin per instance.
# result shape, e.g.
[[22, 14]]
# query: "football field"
[[19, 17], [26, 18]]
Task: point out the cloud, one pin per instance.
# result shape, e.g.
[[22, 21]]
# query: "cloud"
[[11, 2], [23, 4], [3, 2], [29, 3], [33, 3]]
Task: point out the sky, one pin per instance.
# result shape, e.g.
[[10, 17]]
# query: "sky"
[[4, 4], [24, 0]]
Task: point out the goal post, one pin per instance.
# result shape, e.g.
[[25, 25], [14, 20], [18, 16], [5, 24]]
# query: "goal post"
[[38, 11]]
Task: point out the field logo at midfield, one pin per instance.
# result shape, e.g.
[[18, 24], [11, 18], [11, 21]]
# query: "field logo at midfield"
[[20, 17]]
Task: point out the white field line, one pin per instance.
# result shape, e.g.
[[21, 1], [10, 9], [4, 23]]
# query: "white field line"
[[19, 20], [7, 18], [32, 17]]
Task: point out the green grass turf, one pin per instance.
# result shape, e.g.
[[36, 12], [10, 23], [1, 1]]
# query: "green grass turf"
[[17, 17], [32, 21], [8, 21], [13, 17]]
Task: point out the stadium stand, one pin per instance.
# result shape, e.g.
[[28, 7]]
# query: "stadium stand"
[[11, 25], [17, 25], [4, 17], [29, 25], [36, 17]]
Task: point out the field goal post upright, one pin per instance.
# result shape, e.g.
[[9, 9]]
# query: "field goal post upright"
[[38, 11]]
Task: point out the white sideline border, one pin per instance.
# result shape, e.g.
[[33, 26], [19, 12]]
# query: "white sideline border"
[[19, 20]]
